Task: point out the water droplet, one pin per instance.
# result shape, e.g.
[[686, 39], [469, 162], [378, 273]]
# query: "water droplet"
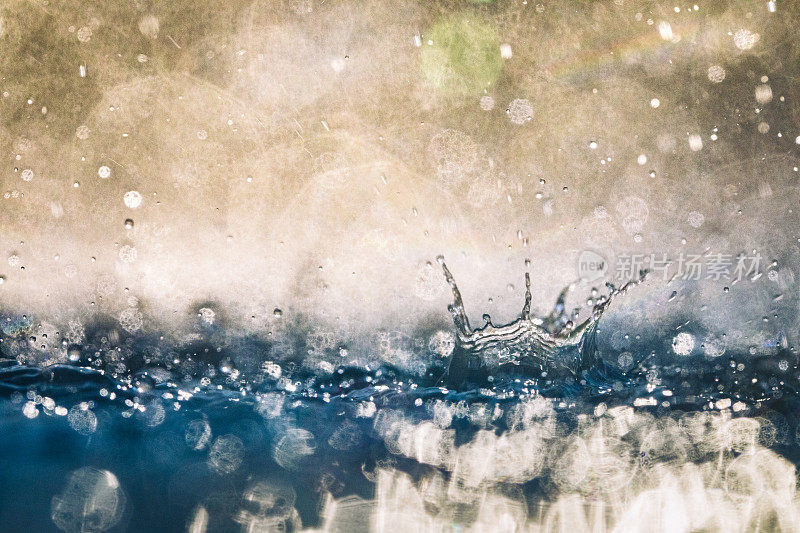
[[104, 172], [277, 313], [128, 223], [74, 354], [133, 199], [593, 145]]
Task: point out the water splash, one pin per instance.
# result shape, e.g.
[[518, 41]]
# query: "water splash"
[[530, 346]]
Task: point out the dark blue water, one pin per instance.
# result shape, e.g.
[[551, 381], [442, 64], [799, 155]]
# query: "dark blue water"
[[235, 433]]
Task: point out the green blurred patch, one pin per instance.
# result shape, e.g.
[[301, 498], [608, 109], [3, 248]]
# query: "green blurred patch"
[[464, 58]]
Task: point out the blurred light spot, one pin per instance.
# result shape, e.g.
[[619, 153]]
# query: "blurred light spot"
[[683, 343], [133, 199], [716, 73]]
